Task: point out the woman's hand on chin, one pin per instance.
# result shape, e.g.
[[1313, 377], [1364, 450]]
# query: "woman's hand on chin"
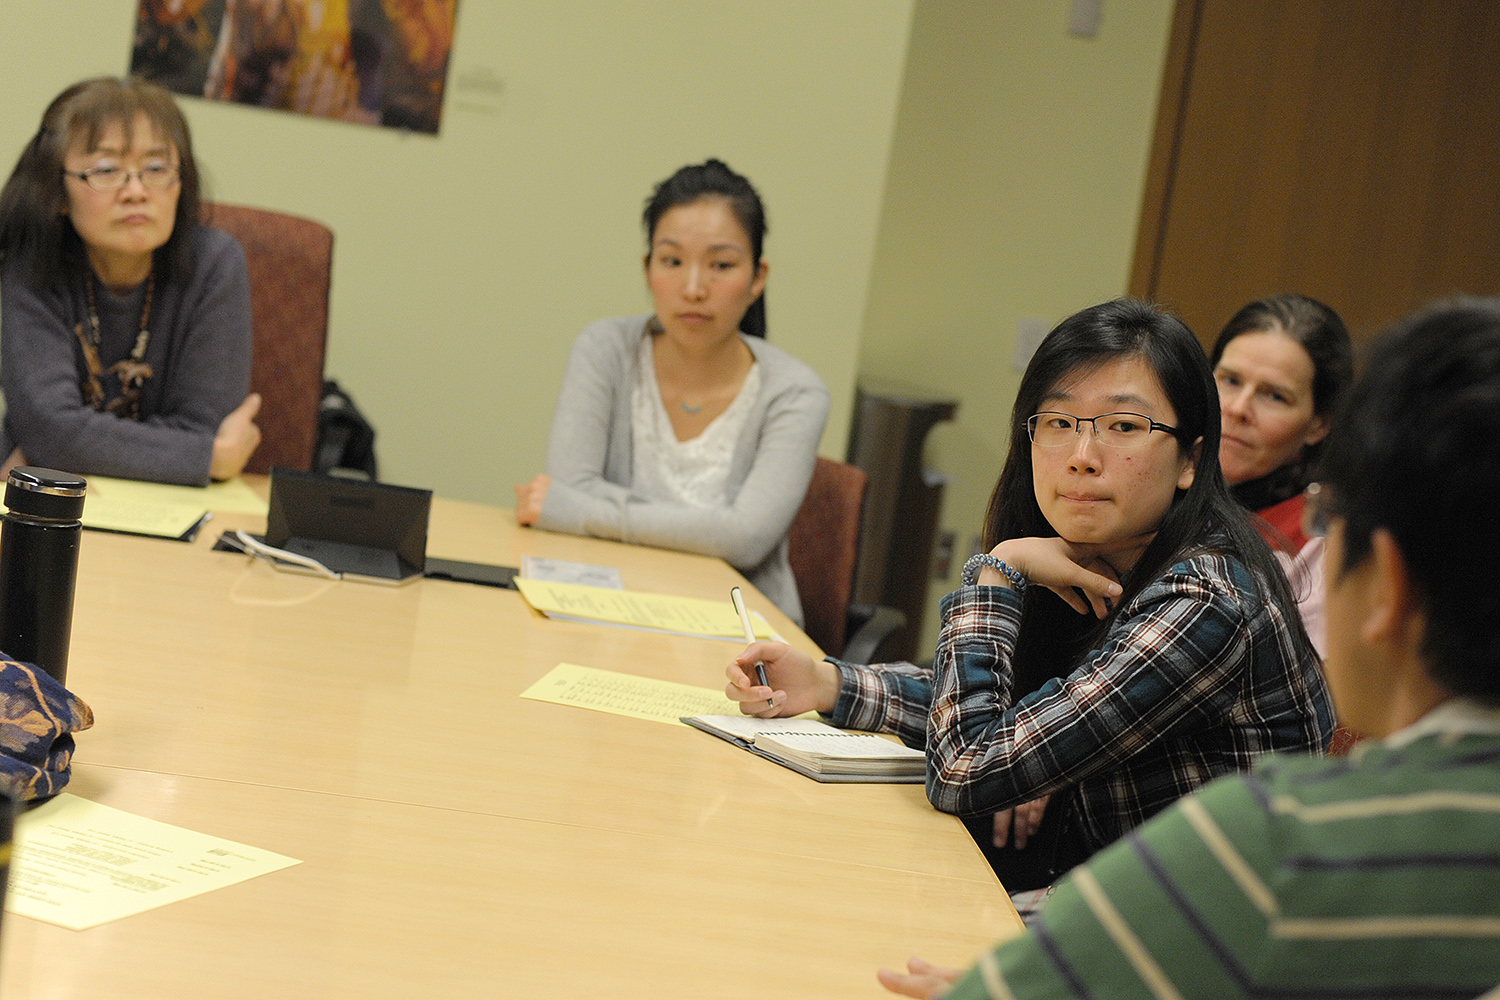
[[1081, 574]]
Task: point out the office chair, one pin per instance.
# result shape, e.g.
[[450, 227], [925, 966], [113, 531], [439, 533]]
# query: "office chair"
[[823, 546], [291, 263]]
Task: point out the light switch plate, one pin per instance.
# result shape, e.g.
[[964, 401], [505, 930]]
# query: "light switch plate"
[[1029, 333], [1084, 17]]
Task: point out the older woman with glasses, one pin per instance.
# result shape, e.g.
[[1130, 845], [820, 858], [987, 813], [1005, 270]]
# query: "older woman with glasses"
[[124, 322], [1127, 636]]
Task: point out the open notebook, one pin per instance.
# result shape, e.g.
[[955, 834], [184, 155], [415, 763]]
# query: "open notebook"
[[817, 749]]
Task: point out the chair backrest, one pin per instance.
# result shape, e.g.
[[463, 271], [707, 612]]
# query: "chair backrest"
[[823, 546], [291, 265]]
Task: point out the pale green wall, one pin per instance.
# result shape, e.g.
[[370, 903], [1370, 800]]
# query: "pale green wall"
[[465, 264], [1014, 190]]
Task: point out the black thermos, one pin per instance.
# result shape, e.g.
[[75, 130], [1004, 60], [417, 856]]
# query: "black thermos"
[[38, 566]]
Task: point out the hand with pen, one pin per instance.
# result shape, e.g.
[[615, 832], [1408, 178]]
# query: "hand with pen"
[[796, 682]]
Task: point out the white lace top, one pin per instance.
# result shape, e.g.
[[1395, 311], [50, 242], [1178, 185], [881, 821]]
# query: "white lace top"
[[695, 471]]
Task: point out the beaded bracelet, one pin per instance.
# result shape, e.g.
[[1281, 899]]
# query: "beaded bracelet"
[[978, 562]]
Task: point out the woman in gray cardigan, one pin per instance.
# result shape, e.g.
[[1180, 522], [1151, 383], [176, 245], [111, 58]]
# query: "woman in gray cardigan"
[[684, 429]]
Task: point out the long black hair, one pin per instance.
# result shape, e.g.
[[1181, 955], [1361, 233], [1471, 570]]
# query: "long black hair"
[[714, 179], [34, 200], [1203, 517]]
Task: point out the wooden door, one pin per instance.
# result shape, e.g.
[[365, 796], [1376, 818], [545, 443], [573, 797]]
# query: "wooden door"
[[1345, 149]]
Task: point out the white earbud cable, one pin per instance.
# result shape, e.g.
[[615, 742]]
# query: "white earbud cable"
[[259, 548]]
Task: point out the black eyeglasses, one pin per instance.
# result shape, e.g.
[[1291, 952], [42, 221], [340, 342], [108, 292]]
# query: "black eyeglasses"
[[1055, 429]]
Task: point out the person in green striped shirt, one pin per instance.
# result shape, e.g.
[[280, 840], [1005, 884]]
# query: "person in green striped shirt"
[[1375, 875]]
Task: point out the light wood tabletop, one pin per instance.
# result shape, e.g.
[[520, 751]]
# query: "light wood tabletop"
[[456, 839]]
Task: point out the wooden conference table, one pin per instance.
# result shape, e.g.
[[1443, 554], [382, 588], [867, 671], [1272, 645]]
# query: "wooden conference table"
[[456, 839]]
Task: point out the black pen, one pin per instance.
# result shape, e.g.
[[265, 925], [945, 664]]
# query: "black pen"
[[738, 600]]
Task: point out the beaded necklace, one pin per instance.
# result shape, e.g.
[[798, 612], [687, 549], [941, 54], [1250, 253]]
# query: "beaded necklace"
[[132, 371]]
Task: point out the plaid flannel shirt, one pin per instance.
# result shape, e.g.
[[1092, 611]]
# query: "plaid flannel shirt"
[[1197, 677]]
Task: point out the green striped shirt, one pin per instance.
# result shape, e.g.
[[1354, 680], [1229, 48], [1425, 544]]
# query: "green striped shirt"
[[1373, 875]]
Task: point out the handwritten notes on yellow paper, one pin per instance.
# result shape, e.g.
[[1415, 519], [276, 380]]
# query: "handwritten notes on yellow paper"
[[627, 694], [79, 864], [633, 609], [162, 510]]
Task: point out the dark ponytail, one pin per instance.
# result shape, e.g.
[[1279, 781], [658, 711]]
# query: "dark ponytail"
[[714, 179]]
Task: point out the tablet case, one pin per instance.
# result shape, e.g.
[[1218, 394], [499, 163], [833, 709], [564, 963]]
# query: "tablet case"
[[367, 531]]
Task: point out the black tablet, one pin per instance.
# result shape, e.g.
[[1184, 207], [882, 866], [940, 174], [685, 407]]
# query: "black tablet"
[[468, 572]]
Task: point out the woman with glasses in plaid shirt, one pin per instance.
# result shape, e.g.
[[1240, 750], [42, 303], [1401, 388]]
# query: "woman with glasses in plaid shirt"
[[1127, 636], [125, 331]]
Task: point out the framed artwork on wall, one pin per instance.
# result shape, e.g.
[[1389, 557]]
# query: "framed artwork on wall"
[[373, 62]]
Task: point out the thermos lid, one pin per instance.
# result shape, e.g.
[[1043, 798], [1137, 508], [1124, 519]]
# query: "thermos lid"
[[45, 493]]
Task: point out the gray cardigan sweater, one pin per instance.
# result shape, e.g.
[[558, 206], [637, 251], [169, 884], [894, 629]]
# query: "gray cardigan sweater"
[[589, 460], [199, 353]]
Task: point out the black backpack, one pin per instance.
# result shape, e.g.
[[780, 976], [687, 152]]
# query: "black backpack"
[[346, 440]]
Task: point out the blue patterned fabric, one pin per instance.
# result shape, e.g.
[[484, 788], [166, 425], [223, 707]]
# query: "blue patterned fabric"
[[38, 718]]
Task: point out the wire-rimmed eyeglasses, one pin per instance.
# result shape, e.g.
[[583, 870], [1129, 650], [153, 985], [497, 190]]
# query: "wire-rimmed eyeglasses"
[[1055, 429], [156, 176]]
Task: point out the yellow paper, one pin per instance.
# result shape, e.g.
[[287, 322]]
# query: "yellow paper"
[[660, 612], [162, 510], [627, 694], [231, 497], [166, 520], [79, 864]]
